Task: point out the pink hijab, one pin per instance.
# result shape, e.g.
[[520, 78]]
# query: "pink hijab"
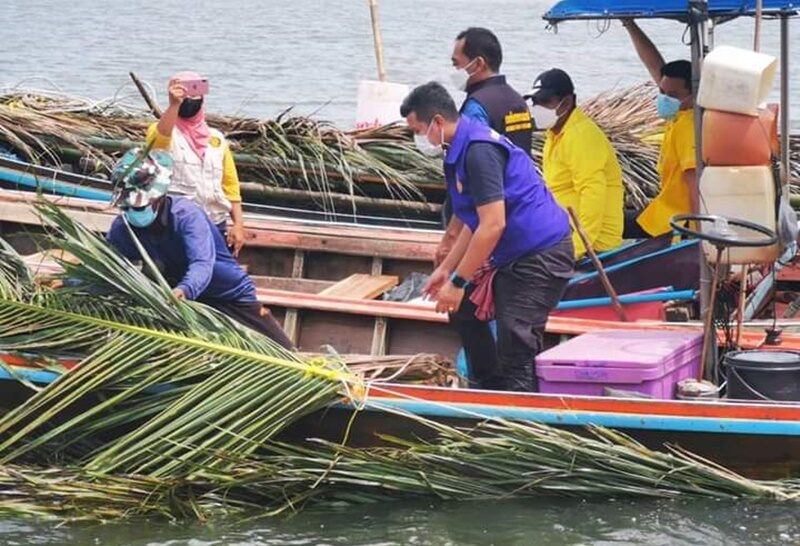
[[194, 129]]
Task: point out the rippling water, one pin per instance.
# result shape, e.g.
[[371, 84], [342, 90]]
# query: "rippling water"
[[264, 56], [545, 522]]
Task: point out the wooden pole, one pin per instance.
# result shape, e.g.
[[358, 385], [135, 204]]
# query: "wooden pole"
[[709, 331], [598, 266], [146, 96], [376, 37], [759, 18]]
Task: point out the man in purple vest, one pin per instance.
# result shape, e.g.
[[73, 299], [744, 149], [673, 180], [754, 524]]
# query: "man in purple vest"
[[511, 220]]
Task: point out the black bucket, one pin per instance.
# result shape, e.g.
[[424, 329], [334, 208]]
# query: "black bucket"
[[763, 375]]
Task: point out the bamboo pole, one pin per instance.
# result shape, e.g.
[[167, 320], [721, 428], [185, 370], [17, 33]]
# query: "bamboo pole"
[[598, 266], [154, 108], [376, 37], [757, 33]]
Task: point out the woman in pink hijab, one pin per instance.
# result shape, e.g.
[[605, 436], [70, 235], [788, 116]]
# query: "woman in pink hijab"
[[204, 168]]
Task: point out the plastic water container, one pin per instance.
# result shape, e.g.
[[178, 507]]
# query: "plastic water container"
[[736, 80], [647, 362], [742, 193], [740, 140]]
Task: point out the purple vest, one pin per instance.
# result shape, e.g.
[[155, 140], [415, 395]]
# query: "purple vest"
[[534, 221]]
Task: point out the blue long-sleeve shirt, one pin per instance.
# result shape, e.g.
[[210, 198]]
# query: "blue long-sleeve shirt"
[[475, 110], [190, 251]]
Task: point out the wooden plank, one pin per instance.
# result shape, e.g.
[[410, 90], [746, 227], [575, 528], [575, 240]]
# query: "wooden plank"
[[379, 336], [307, 286], [342, 245], [298, 264], [394, 243], [369, 308], [361, 286], [291, 323]]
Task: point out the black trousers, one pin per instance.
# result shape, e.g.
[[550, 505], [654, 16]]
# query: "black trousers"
[[631, 228], [525, 291], [255, 316]]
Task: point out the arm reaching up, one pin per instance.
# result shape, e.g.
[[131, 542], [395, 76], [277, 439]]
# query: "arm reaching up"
[[646, 50]]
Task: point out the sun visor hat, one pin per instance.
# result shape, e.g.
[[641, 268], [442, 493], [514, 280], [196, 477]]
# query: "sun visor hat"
[[140, 178]]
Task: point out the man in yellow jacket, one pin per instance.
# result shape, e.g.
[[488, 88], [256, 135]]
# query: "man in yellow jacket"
[[677, 162], [579, 164]]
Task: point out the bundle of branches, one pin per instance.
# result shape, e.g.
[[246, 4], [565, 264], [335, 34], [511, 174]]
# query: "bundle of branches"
[[301, 153], [288, 151], [422, 369], [496, 460]]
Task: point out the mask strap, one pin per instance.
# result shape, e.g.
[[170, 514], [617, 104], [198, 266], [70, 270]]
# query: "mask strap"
[[466, 66]]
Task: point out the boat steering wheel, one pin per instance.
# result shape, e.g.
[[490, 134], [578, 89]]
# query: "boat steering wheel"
[[723, 232]]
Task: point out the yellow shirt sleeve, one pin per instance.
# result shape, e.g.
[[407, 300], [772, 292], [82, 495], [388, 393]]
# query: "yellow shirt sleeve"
[[587, 153], [156, 139], [230, 177], [685, 145]]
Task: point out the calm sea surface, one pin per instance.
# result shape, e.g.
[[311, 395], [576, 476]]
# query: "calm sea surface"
[[264, 56]]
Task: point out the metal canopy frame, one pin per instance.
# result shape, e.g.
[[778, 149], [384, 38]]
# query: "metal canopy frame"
[[567, 10]]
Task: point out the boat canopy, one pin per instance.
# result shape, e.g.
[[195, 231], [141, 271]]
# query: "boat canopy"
[[566, 10]]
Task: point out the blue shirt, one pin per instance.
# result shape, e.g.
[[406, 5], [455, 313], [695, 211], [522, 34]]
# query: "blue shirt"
[[475, 110], [190, 251], [534, 221]]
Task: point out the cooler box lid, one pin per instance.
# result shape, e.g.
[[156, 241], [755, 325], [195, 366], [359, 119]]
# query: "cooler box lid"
[[621, 349]]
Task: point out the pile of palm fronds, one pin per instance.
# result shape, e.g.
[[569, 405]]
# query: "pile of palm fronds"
[[288, 151], [300, 153], [496, 460], [173, 409]]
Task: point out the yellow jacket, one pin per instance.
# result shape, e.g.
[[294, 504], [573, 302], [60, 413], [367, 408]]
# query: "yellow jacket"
[[677, 157], [581, 169], [230, 177]]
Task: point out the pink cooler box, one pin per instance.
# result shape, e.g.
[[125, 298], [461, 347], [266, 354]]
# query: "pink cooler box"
[[649, 362]]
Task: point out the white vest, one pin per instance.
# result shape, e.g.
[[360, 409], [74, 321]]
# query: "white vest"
[[200, 179]]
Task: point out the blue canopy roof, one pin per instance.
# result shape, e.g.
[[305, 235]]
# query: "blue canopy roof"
[[664, 9]]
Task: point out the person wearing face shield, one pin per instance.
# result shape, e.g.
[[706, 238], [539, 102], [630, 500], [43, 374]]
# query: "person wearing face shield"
[[510, 222], [579, 164], [204, 166], [477, 57], [182, 241], [677, 162]]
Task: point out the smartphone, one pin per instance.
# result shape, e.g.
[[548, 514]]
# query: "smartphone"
[[195, 88]]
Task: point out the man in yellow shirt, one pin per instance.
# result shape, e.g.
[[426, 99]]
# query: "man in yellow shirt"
[[203, 163], [579, 164], [676, 164]]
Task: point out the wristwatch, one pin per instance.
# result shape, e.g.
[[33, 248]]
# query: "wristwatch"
[[459, 281]]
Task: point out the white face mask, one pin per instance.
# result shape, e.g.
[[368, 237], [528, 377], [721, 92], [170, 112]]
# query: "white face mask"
[[460, 76], [426, 147], [545, 118]]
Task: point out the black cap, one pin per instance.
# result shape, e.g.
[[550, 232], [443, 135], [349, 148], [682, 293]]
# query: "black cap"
[[551, 83]]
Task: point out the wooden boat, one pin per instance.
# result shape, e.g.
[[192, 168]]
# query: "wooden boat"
[[760, 440], [291, 260]]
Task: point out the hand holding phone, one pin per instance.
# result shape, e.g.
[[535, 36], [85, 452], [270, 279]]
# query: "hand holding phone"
[[195, 88]]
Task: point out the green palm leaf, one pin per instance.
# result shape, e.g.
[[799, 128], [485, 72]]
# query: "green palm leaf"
[[229, 388], [237, 398]]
